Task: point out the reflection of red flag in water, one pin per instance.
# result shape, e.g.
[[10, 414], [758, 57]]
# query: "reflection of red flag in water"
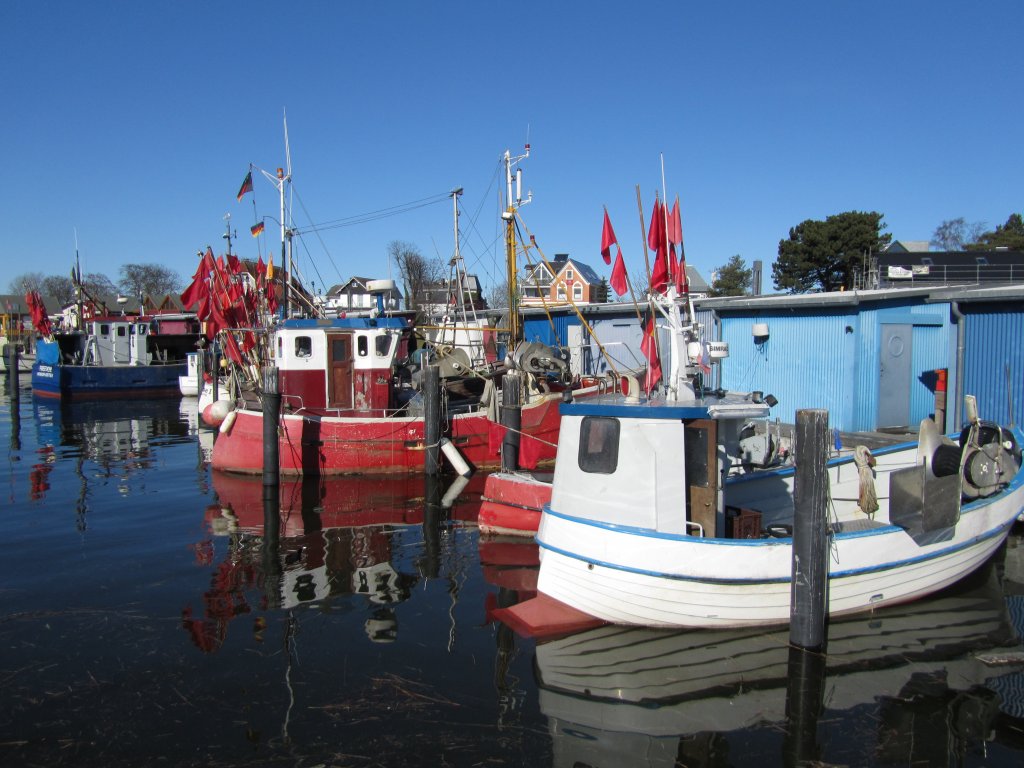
[[649, 347], [608, 239]]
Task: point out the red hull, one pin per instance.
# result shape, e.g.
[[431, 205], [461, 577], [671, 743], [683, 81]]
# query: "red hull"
[[320, 444], [513, 503]]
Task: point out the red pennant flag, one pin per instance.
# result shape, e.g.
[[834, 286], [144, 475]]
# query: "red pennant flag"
[[619, 282], [607, 239], [682, 281], [675, 225], [649, 348], [655, 235], [246, 186]]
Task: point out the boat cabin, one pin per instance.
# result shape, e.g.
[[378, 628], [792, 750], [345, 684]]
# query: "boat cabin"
[[653, 467], [347, 364], [121, 340]]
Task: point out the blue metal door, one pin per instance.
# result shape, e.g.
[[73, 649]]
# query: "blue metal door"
[[894, 375]]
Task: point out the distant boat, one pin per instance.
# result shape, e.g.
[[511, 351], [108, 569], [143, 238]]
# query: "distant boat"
[[115, 356], [641, 530]]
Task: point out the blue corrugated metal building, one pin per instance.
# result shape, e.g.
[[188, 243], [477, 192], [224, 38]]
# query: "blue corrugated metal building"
[[868, 357]]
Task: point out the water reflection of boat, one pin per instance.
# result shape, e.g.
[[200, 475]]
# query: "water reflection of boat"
[[107, 430], [614, 693], [336, 539]]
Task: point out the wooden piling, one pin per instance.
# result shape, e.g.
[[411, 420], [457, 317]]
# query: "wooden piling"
[[809, 590], [272, 570], [511, 419], [271, 426], [216, 373], [432, 418]]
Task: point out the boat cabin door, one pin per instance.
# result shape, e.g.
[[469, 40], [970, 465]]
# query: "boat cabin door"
[[339, 370], [137, 344], [701, 458]]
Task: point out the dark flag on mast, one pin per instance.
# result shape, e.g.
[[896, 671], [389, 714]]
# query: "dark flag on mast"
[[246, 186], [256, 229]]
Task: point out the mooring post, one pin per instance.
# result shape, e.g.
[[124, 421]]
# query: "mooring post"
[[216, 372], [809, 590], [200, 367], [433, 517], [271, 425], [432, 418], [511, 419]]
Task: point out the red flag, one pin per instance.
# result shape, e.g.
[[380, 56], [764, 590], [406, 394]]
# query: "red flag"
[[261, 272], [682, 281], [655, 235], [199, 288], [608, 239], [649, 348], [619, 281], [246, 186], [37, 310], [658, 242], [675, 225]]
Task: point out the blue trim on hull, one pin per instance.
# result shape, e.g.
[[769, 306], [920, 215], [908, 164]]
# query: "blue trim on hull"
[[993, 533], [94, 381]]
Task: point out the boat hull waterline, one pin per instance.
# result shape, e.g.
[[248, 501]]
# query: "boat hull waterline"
[[324, 444], [630, 577]]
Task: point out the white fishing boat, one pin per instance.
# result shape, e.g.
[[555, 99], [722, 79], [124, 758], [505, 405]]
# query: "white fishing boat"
[[651, 522]]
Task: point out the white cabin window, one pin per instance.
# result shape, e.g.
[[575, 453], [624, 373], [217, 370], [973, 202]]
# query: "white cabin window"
[[362, 346], [303, 346], [383, 344], [121, 331], [599, 445], [104, 329]]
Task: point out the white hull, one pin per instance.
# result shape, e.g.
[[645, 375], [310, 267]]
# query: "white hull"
[[636, 576]]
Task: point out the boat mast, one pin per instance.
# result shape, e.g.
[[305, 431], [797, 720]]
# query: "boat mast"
[[509, 215], [279, 181], [227, 235]]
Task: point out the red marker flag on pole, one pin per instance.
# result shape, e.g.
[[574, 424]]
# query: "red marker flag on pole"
[[608, 239], [658, 242], [676, 225], [246, 186], [619, 282], [649, 348]]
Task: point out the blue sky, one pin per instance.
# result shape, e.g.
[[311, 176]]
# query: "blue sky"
[[135, 123]]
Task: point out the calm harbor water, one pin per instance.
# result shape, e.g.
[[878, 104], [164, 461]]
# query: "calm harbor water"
[[157, 613]]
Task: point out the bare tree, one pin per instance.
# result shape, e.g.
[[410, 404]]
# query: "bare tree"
[[416, 272], [956, 234], [148, 280], [498, 296], [29, 281], [60, 287], [98, 284]]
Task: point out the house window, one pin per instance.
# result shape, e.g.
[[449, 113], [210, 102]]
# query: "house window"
[[577, 292], [560, 293], [599, 445], [303, 346], [568, 275]]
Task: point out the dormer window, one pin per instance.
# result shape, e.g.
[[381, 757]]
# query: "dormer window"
[[568, 275]]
